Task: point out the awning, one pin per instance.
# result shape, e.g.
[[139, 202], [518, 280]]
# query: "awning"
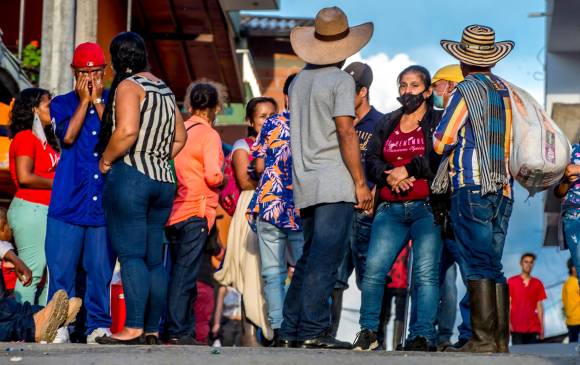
[[187, 40]]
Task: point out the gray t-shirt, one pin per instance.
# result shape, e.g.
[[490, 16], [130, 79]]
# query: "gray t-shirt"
[[317, 96]]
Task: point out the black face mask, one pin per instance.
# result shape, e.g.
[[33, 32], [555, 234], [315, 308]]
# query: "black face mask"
[[411, 102]]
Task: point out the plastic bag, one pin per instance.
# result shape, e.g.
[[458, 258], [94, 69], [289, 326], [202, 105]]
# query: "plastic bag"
[[540, 150]]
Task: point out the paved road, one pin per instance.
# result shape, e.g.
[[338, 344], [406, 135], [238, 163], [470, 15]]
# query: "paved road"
[[170, 355]]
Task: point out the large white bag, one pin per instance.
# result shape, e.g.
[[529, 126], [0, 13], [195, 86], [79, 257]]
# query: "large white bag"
[[540, 150]]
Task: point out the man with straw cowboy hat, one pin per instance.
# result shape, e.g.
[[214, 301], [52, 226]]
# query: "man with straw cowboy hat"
[[328, 177], [474, 138]]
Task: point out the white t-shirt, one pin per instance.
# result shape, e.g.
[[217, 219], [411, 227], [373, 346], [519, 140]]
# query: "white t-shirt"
[[241, 144]]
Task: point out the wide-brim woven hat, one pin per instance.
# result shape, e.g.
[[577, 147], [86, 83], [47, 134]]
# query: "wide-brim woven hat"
[[478, 47], [330, 40]]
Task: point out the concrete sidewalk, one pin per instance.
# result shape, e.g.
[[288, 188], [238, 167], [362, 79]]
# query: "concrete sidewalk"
[[13, 353]]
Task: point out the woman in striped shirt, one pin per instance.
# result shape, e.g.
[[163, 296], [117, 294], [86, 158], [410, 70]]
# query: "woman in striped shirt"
[[143, 131]]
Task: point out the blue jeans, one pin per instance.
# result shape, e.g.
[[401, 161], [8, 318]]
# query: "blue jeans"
[[480, 224], [356, 252], [306, 307], [275, 245], [448, 304], [571, 225], [69, 246], [17, 321], [186, 246], [394, 225], [136, 210]]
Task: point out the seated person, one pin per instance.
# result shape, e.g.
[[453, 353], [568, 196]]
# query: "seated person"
[[26, 322]]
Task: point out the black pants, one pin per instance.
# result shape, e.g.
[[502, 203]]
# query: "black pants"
[[186, 245], [525, 338], [400, 297], [573, 332]]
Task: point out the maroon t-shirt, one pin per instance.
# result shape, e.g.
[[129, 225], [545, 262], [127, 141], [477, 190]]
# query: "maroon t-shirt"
[[399, 149]]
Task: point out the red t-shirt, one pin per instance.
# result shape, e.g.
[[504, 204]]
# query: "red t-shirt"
[[524, 302], [400, 149], [45, 159], [399, 272]]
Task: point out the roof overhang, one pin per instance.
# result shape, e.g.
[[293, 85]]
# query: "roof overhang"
[[188, 40], [237, 5], [563, 26]]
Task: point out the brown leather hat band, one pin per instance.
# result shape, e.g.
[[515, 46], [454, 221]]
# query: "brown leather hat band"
[[332, 38]]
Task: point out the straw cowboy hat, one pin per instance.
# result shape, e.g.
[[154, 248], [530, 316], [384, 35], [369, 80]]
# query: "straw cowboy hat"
[[478, 47], [330, 40]]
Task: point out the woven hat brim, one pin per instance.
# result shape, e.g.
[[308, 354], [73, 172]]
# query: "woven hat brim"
[[501, 50], [314, 51]]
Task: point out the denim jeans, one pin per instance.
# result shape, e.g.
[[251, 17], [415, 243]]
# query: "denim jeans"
[[394, 225], [17, 321], [451, 255], [136, 210], [275, 245], [306, 307], [448, 304], [571, 225], [356, 252], [88, 248], [480, 224], [186, 245]]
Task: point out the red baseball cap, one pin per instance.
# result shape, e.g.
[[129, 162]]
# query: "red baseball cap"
[[88, 55]]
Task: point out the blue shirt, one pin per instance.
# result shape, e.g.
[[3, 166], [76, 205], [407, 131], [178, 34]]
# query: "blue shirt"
[[364, 130], [572, 199], [77, 189]]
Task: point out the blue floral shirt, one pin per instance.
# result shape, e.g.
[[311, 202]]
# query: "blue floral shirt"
[[273, 200], [572, 199]]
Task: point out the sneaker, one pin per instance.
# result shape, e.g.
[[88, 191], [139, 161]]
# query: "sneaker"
[[366, 340], [99, 332], [420, 344], [62, 335]]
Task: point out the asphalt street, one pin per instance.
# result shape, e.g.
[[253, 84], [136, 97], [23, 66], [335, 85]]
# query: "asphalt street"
[[21, 354]]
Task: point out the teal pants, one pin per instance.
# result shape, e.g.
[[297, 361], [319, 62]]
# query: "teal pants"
[[28, 223]]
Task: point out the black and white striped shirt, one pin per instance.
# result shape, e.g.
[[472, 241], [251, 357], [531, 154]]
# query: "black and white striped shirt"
[[151, 152]]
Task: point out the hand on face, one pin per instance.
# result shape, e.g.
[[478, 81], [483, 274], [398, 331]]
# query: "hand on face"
[[97, 86], [82, 87]]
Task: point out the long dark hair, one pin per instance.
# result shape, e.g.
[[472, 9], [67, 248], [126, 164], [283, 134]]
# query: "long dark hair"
[[22, 115], [425, 77], [128, 57], [251, 110]]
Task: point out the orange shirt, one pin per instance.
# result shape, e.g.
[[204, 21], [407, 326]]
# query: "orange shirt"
[[198, 167]]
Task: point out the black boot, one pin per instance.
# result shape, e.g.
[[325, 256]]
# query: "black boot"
[[502, 333], [335, 311], [483, 316]]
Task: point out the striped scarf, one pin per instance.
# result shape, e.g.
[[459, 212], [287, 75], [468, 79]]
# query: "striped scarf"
[[485, 113]]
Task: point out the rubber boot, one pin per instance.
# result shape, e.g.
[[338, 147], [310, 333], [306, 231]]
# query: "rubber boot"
[[502, 333], [482, 300], [335, 310], [398, 332]]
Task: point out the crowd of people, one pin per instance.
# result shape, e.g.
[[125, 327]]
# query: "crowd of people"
[[322, 188]]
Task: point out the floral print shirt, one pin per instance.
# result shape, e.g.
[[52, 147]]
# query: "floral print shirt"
[[572, 199], [273, 200]]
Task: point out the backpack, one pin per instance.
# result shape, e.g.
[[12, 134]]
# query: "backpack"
[[229, 195], [540, 150]]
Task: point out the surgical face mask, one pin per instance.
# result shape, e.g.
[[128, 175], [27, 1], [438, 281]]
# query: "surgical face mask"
[[438, 100], [411, 102]]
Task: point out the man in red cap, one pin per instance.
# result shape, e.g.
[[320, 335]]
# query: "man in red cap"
[[76, 233]]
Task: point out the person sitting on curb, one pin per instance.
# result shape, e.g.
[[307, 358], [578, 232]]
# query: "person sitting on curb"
[[33, 323]]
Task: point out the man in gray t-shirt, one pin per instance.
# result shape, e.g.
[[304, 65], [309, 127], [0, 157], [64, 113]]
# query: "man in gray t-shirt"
[[328, 179], [317, 96]]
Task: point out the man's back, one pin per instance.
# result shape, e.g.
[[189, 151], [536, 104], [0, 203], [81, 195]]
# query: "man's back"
[[317, 96]]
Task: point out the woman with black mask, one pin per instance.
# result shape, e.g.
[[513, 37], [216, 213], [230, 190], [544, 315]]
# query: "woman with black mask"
[[398, 162]]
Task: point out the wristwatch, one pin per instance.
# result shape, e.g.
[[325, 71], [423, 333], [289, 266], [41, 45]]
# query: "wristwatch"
[[99, 101]]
